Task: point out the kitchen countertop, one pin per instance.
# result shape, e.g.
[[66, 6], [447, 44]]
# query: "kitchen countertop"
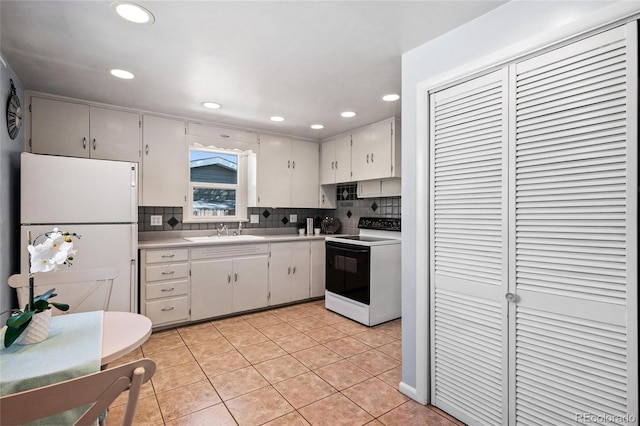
[[158, 241]]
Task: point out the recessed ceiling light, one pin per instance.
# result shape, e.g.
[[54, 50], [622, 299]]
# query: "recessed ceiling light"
[[121, 74], [348, 114], [211, 105], [317, 126], [391, 97], [276, 118], [133, 13]]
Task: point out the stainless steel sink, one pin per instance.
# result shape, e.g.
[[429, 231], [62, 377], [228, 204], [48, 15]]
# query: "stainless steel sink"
[[221, 239]]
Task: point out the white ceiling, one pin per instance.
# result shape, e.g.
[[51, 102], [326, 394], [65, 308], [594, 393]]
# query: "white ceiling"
[[304, 60]]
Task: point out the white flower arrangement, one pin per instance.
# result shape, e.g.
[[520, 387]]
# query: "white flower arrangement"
[[56, 250], [47, 256]]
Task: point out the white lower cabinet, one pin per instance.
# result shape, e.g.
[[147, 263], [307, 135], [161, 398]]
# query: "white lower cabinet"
[[226, 279], [164, 285], [289, 272], [179, 285]]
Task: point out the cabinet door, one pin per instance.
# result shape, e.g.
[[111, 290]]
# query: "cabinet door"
[[328, 197], [211, 288], [274, 171], [328, 162], [360, 152], [318, 268], [305, 163], [115, 135], [371, 152], [164, 162], [280, 274], [380, 146], [300, 270], [59, 128], [343, 159], [250, 283]]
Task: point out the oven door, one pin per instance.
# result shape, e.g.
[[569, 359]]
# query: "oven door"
[[348, 271]]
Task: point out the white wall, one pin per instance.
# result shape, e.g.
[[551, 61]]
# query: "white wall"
[[10, 150], [498, 36]]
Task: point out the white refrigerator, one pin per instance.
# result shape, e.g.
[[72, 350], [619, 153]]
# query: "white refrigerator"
[[96, 199]]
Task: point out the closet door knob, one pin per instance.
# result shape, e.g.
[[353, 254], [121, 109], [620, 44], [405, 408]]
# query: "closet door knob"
[[511, 297]]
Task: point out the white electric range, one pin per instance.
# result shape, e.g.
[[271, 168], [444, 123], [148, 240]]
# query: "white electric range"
[[363, 277]]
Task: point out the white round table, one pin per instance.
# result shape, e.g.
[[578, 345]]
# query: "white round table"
[[122, 332]]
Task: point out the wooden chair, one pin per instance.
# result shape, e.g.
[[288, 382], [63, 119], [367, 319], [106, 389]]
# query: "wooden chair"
[[83, 289], [99, 389]]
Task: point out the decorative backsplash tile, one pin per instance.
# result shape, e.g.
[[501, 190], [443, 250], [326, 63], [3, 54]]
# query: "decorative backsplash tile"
[[349, 210], [268, 218]]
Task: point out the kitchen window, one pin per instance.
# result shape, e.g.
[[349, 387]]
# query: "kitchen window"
[[217, 185]]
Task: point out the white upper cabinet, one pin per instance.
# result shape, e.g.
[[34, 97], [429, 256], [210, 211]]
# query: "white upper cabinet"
[[288, 172], [327, 162], [335, 160], [73, 129], [164, 162], [222, 137], [274, 171], [305, 173], [375, 151]]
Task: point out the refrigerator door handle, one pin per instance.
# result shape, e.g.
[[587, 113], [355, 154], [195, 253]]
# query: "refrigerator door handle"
[[134, 175], [133, 275]]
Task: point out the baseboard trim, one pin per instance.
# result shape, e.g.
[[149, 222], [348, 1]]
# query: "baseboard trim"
[[411, 392]]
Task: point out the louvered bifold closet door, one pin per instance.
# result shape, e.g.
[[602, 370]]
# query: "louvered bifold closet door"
[[573, 226], [468, 135]]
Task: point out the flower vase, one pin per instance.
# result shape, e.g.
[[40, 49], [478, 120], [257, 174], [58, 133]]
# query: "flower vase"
[[37, 330]]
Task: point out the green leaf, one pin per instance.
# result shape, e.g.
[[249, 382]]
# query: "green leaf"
[[45, 296], [61, 306], [12, 333], [41, 305], [18, 320]]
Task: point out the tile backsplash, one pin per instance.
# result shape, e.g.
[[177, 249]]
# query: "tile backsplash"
[[268, 218], [349, 210]]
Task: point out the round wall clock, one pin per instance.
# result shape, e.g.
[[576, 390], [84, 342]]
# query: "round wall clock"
[[14, 113]]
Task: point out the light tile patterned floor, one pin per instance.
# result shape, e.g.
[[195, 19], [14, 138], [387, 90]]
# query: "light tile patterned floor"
[[296, 365]]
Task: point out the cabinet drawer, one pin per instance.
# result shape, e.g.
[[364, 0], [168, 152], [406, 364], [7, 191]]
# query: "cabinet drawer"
[[166, 289], [165, 311], [167, 272], [169, 255]]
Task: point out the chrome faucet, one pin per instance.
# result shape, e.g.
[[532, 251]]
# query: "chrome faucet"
[[239, 228], [223, 228]]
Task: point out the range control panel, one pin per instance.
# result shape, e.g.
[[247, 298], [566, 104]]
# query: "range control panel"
[[380, 223]]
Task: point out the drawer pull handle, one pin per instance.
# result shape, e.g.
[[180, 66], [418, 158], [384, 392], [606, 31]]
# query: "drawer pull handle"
[[168, 272], [294, 269], [168, 289], [289, 272], [170, 308], [168, 255], [229, 277], [236, 277]]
